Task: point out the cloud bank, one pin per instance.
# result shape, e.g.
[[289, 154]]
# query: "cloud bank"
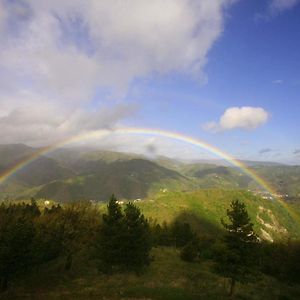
[[56, 57], [246, 117]]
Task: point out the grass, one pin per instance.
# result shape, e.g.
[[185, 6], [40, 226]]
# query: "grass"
[[167, 278]]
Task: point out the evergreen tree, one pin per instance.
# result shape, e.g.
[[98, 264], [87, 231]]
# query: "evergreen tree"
[[237, 259], [125, 239], [137, 239], [110, 246]]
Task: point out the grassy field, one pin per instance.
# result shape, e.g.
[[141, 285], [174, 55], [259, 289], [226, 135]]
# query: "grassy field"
[[167, 278]]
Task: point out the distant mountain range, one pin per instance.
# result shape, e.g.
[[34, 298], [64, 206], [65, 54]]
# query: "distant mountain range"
[[89, 174]]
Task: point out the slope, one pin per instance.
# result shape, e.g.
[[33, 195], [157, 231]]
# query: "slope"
[[205, 208], [129, 179]]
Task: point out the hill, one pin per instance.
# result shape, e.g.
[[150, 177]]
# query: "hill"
[[13, 152], [131, 179], [205, 208], [93, 174]]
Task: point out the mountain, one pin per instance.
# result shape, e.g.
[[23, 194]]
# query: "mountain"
[[285, 178], [129, 179], [222, 162], [85, 173], [14, 152], [40, 171], [43, 170], [72, 156]]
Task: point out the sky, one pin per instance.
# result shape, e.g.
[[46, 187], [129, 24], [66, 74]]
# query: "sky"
[[226, 72]]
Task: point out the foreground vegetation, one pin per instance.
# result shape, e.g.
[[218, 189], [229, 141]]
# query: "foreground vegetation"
[[77, 251], [167, 278]]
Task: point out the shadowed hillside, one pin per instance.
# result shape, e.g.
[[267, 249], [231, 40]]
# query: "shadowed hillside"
[[127, 179]]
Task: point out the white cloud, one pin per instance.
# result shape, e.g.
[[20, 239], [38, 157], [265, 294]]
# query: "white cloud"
[[239, 117], [277, 6], [61, 53], [126, 40], [41, 122], [277, 81], [274, 8]]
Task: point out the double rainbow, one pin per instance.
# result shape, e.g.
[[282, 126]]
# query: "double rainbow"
[[140, 131]]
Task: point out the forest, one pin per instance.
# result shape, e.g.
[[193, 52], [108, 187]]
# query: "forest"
[[121, 240]]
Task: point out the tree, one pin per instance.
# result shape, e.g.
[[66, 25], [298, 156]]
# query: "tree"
[[125, 239], [237, 258], [109, 246], [137, 239], [17, 233]]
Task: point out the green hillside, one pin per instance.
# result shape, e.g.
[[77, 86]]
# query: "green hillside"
[[204, 209]]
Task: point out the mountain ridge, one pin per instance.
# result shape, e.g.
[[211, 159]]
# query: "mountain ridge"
[[89, 171]]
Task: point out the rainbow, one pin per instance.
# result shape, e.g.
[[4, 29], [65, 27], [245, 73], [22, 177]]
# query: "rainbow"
[[139, 131]]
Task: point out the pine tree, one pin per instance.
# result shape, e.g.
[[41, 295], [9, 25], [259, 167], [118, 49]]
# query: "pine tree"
[[137, 239], [125, 239], [110, 246], [237, 259]]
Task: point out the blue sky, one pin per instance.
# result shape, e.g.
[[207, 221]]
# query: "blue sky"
[[226, 72], [254, 63]]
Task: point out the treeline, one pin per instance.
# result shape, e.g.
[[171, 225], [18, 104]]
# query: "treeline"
[[121, 238], [30, 237], [116, 241]]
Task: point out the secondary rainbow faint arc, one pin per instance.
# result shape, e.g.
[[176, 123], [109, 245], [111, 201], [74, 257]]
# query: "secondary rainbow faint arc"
[[141, 131]]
